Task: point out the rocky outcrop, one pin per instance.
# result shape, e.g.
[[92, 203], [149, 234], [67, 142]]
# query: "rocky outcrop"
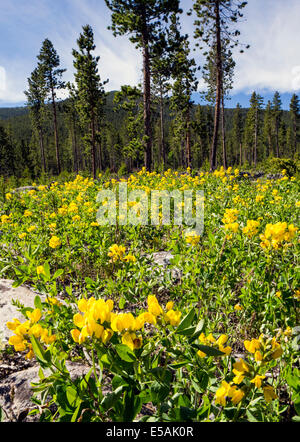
[[8, 310]]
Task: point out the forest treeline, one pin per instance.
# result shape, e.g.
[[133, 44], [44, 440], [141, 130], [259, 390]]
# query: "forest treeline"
[[155, 124]]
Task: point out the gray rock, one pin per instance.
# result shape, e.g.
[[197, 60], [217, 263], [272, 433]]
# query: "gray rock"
[[162, 258], [24, 189], [16, 391], [161, 261], [8, 311]]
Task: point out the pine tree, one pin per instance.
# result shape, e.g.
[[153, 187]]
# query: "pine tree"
[[201, 132], [36, 96], [295, 116], [7, 154], [184, 84], [267, 128], [142, 19], [238, 127], [49, 63], [277, 115], [213, 26], [89, 88], [210, 78], [72, 121], [129, 100], [255, 116]]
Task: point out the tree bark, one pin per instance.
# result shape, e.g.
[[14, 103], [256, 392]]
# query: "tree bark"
[[76, 161], [56, 133], [188, 140], [42, 150], [93, 146], [224, 135], [255, 138], [162, 128], [295, 135], [241, 154], [277, 138], [213, 158], [147, 100]]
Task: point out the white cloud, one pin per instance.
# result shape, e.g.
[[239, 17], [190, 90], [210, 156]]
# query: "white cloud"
[[272, 30], [270, 27], [2, 79]]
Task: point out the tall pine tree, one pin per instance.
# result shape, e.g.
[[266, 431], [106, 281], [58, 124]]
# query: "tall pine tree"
[[213, 26], [141, 20], [49, 63], [36, 95], [295, 116], [89, 88]]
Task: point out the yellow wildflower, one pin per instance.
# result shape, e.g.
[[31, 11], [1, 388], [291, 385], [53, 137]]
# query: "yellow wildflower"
[[257, 381], [54, 242], [269, 393]]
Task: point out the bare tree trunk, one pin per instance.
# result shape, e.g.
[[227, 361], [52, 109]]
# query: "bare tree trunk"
[[295, 135], [224, 135], [241, 154], [93, 146], [277, 139], [213, 158], [162, 128], [99, 149], [75, 148], [255, 138], [188, 158], [147, 101], [58, 164], [42, 147]]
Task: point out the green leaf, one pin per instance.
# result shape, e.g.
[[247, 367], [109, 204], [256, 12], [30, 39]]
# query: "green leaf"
[[200, 325], [72, 396], [186, 321], [125, 353], [118, 381], [38, 351], [47, 270], [163, 375], [38, 302], [76, 412], [133, 405], [179, 364], [58, 273], [158, 392], [187, 331], [19, 282], [209, 351], [122, 303], [111, 398], [250, 416]]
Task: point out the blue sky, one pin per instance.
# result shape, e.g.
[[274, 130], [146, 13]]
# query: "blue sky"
[[271, 27]]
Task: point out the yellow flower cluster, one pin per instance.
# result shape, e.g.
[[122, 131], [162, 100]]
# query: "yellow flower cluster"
[[263, 351], [251, 228], [228, 390], [21, 339], [54, 242], [229, 220], [99, 321], [116, 253], [208, 340], [276, 234], [192, 239], [5, 219]]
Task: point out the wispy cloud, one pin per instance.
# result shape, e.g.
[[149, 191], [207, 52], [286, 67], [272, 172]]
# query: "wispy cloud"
[[270, 27], [273, 60]]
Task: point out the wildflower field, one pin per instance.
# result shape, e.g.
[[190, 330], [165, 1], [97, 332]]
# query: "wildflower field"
[[217, 340]]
